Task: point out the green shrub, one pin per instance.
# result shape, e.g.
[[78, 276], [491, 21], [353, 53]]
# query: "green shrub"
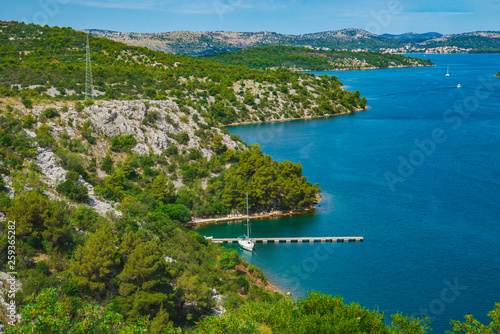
[[172, 150], [249, 99], [243, 284], [27, 102], [236, 138], [28, 121], [123, 143], [151, 117], [107, 164], [87, 219], [87, 129], [146, 161], [79, 106], [194, 154], [74, 191], [72, 162], [88, 103], [4, 91], [176, 212], [50, 113], [44, 136], [69, 288], [229, 260], [182, 138], [72, 175]]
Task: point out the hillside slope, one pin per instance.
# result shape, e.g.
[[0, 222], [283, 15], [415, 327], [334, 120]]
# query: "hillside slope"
[[98, 197], [42, 62], [99, 191], [305, 59]]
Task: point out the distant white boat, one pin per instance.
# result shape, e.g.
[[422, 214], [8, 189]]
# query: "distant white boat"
[[245, 241], [447, 72], [459, 85]]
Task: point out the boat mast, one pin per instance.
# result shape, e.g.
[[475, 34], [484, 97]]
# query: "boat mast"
[[248, 220]]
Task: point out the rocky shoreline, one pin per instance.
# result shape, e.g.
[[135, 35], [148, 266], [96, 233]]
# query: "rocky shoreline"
[[362, 68], [239, 218], [297, 119], [195, 223]]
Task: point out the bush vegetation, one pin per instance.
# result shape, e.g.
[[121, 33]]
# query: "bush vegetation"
[[311, 60]]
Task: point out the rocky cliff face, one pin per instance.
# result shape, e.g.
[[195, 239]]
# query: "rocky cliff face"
[[155, 125], [113, 118]]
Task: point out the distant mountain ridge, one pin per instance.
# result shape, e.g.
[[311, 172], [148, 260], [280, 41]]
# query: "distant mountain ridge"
[[201, 43]]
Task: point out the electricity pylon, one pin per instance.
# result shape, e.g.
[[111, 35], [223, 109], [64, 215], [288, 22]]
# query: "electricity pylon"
[[88, 74]]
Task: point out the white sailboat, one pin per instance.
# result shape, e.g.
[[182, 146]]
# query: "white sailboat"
[[447, 72], [245, 241]]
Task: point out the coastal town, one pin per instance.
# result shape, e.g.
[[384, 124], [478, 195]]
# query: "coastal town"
[[413, 49], [405, 49]]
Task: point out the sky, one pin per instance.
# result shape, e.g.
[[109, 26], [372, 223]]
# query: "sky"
[[282, 16]]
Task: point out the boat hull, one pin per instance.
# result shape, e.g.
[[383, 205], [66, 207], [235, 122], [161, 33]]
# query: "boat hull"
[[246, 244]]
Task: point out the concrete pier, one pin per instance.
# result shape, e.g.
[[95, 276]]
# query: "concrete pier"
[[290, 240]]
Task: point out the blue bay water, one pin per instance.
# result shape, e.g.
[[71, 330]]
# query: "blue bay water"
[[431, 230]]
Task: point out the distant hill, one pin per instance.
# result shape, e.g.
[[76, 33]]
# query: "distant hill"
[[411, 37], [202, 43], [473, 40], [306, 59]]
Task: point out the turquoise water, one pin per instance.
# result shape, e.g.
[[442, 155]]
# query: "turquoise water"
[[418, 175]]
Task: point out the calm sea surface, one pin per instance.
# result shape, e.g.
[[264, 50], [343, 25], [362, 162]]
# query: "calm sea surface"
[[418, 175]]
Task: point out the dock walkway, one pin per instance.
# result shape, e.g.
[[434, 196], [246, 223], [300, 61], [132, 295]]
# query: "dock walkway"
[[290, 239]]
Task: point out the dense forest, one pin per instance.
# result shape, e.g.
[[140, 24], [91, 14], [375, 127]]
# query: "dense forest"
[[485, 51], [306, 59], [98, 193]]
